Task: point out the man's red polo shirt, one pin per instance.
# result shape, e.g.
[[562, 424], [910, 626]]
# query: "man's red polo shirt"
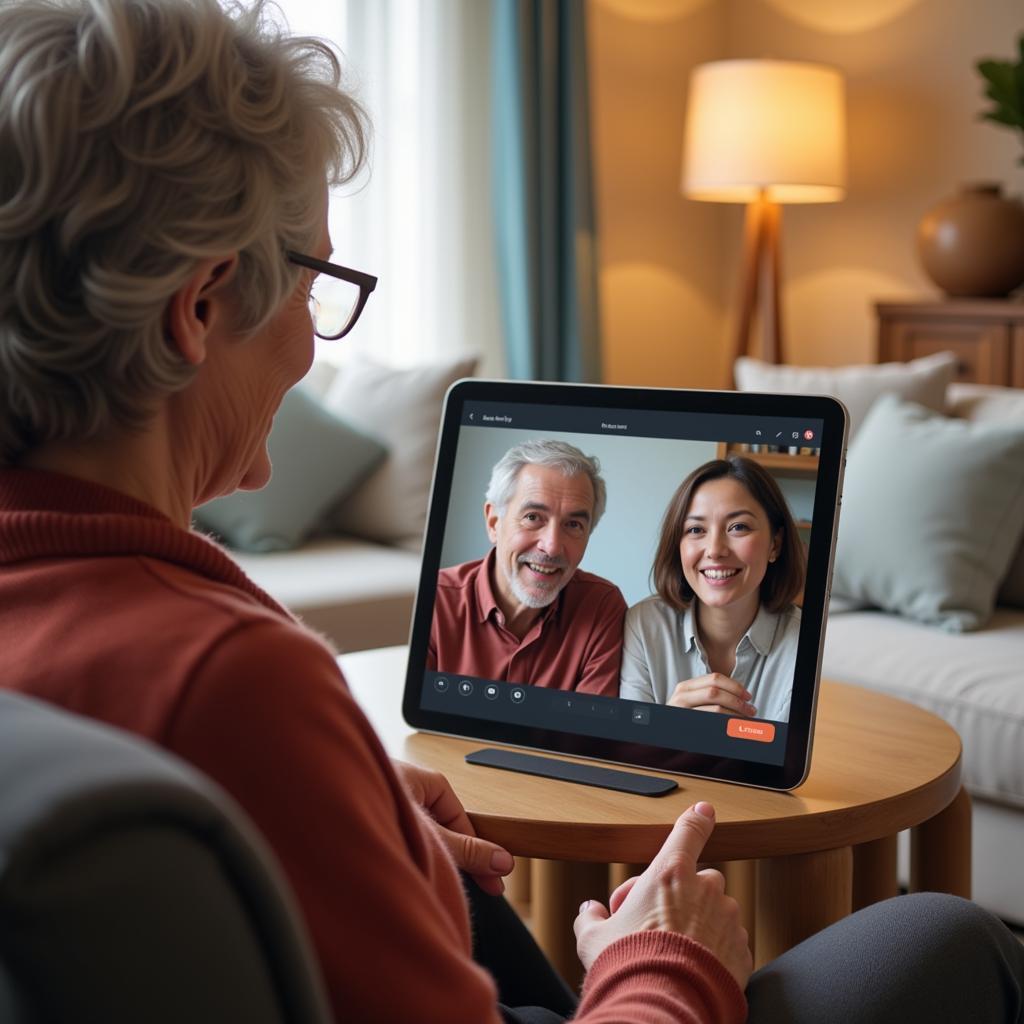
[[575, 644]]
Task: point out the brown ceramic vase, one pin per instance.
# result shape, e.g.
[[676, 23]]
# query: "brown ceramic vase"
[[973, 243]]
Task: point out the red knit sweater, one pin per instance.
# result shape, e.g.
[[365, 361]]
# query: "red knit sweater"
[[110, 610]]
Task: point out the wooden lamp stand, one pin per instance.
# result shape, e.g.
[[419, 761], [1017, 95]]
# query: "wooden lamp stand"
[[760, 281]]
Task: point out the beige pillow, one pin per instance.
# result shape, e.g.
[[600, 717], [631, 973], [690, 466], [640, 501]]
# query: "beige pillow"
[[922, 381], [402, 408]]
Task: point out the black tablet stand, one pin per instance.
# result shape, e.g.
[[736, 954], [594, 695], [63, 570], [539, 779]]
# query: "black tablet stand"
[[570, 771]]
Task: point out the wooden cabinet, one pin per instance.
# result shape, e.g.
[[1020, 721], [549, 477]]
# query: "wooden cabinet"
[[987, 336]]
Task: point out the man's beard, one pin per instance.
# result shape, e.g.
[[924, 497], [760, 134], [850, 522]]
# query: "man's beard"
[[526, 597]]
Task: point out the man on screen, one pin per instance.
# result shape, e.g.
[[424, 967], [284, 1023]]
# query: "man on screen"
[[526, 613]]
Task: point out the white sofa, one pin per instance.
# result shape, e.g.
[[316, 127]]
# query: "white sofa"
[[975, 681], [356, 593]]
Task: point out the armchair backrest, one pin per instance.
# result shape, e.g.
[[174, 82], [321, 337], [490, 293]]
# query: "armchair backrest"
[[133, 889]]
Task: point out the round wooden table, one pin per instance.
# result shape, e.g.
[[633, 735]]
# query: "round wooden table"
[[879, 766]]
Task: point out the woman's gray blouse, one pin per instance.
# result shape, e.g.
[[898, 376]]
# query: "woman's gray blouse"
[[661, 648]]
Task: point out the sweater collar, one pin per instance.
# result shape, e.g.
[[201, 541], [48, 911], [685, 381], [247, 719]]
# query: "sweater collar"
[[51, 515]]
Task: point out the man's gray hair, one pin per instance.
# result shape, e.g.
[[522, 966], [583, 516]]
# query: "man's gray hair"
[[566, 458], [140, 138]]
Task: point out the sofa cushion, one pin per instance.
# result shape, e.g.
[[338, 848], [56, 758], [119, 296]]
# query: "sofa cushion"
[[973, 681], [922, 380], [986, 404], [403, 408], [933, 511], [358, 595], [317, 459]]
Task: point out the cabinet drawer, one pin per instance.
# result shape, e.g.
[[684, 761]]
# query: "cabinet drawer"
[[983, 350]]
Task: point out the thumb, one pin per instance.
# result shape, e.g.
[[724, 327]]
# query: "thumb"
[[689, 836]]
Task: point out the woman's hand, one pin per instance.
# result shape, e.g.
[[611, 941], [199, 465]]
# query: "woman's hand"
[[672, 895], [713, 692], [483, 861]]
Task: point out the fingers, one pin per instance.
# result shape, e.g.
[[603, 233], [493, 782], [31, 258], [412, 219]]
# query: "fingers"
[[621, 892], [490, 884], [699, 695], [444, 806], [713, 692], [477, 857], [714, 878], [688, 837], [590, 911]]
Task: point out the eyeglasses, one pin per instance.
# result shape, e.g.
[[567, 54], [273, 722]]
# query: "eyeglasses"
[[337, 297]]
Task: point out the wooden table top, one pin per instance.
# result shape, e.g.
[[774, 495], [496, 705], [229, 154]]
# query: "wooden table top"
[[879, 765]]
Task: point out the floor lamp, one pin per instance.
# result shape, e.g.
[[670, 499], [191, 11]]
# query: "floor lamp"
[[764, 133]]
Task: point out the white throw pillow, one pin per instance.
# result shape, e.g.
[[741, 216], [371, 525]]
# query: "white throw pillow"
[[402, 407], [933, 511], [984, 403], [923, 381]]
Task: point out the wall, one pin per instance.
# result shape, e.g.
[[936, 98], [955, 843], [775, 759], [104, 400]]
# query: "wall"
[[669, 265], [661, 259]]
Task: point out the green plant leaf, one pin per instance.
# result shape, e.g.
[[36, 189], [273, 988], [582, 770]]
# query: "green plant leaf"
[[1001, 118], [1005, 88]]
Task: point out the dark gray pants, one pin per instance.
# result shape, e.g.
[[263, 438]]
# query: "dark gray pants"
[[925, 957]]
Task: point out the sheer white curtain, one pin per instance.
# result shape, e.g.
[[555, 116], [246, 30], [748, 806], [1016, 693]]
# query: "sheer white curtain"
[[421, 220]]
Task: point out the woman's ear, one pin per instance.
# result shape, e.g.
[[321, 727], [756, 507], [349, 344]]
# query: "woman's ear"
[[776, 547], [197, 306]]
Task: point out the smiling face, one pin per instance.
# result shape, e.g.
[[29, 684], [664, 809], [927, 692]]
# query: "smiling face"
[[541, 537], [726, 546]]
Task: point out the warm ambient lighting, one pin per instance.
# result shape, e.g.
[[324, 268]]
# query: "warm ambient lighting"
[[764, 132]]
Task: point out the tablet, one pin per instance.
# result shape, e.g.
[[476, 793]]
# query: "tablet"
[[634, 575]]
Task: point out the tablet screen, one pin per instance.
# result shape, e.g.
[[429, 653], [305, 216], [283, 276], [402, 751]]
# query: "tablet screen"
[[633, 575]]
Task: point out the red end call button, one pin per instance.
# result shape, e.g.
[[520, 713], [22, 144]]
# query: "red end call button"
[[745, 729]]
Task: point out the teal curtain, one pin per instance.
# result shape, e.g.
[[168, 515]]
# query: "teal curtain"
[[543, 196]]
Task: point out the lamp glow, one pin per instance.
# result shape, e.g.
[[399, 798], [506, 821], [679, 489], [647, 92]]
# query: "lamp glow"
[[764, 132]]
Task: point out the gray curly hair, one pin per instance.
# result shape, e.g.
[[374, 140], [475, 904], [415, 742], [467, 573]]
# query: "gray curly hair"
[[139, 138], [560, 455]]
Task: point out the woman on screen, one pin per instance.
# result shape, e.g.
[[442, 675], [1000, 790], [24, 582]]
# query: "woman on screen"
[[721, 632]]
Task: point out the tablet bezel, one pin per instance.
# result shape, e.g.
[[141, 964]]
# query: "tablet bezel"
[[825, 518]]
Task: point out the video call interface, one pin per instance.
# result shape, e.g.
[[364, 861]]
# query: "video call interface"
[[621, 622]]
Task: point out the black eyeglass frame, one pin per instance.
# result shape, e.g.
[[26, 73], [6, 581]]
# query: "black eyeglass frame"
[[365, 282]]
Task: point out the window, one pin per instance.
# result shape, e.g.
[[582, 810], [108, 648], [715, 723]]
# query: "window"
[[421, 218]]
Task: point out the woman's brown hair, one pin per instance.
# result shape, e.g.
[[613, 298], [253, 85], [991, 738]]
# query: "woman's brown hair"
[[784, 578]]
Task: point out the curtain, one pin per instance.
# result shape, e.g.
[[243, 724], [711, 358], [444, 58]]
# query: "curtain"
[[421, 218], [543, 197]]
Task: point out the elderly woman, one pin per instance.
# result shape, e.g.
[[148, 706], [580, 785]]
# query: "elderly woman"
[[163, 176]]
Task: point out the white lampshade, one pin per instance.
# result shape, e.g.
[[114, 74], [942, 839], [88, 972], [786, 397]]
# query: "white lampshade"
[[765, 127]]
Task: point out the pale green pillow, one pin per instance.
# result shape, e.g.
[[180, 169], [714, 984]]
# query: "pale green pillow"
[[318, 459], [933, 510]]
